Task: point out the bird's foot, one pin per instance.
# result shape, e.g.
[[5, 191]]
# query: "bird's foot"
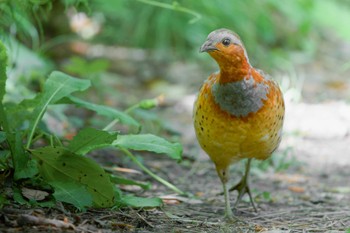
[[242, 187], [230, 218]]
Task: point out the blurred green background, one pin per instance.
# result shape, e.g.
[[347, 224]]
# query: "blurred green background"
[[43, 35], [133, 50]]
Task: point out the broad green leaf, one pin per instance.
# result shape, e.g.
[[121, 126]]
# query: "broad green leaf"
[[21, 113], [28, 171], [24, 167], [57, 86], [149, 142], [141, 201], [121, 180], [72, 193], [60, 165], [102, 110], [90, 139], [60, 85]]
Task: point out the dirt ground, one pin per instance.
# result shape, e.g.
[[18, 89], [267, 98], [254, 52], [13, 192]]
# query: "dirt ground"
[[305, 187]]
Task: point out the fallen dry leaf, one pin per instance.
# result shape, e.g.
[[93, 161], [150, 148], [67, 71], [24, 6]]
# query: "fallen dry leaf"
[[339, 85], [123, 226], [26, 219], [199, 194], [126, 170], [130, 188], [296, 189], [33, 194], [70, 135], [171, 201], [259, 228], [169, 198], [290, 178]]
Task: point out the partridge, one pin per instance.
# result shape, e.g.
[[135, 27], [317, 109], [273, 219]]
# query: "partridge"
[[238, 113]]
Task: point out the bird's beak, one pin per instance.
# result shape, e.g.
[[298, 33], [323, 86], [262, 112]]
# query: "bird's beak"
[[208, 46]]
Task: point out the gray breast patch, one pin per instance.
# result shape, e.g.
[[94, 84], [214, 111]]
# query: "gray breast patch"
[[241, 97]]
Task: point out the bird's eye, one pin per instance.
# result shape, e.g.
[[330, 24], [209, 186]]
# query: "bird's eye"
[[226, 42]]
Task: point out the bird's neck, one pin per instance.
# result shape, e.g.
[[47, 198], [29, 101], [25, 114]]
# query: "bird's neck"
[[233, 71], [240, 97]]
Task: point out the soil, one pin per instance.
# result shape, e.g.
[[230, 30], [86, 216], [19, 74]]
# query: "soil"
[[305, 187]]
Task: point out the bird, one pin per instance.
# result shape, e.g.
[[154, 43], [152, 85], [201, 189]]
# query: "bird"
[[238, 113]]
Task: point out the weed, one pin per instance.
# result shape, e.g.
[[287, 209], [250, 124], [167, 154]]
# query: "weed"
[[62, 167]]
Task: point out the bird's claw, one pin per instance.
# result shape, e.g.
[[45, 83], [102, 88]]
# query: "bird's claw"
[[233, 219], [243, 188]]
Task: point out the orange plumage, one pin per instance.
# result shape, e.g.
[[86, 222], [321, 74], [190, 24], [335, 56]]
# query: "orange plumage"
[[239, 111]]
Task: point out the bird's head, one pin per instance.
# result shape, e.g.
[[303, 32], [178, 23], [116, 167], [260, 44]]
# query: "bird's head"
[[226, 48]]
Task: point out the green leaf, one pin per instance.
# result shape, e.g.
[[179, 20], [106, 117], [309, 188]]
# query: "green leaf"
[[47, 204], [17, 196], [149, 142], [85, 68], [4, 157], [28, 171], [24, 167], [61, 165], [57, 86], [139, 202], [2, 136], [3, 65], [90, 139], [72, 193], [60, 85], [267, 196], [102, 110], [3, 77], [3, 200], [122, 180], [20, 113]]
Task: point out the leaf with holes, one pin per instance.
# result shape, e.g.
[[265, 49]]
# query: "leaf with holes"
[[61, 165], [73, 193]]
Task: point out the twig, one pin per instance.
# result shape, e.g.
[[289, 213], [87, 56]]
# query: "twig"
[[149, 172], [26, 219], [143, 219]]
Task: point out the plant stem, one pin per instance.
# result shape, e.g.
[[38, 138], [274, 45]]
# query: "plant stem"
[[115, 121], [176, 7], [149, 172], [40, 113], [110, 125]]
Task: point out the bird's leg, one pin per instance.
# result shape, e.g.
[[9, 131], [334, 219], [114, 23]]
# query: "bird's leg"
[[224, 174], [228, 210], [243, 187]]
